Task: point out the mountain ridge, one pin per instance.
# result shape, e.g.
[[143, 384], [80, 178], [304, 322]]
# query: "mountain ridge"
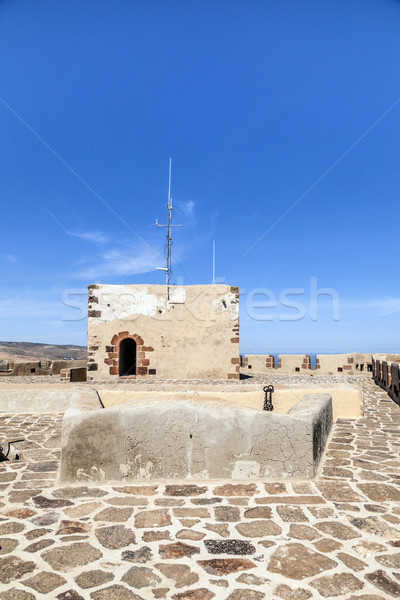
[[28, 351]]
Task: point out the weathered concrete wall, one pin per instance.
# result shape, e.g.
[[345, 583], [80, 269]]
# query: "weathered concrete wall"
[[154, 439], [193, 334], [34, 401]]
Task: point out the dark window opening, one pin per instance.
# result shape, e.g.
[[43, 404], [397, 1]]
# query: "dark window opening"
[[33, 370], [362, 367], [369, 368], [297, 369], [127, 357], [250, 366], [340, 369]]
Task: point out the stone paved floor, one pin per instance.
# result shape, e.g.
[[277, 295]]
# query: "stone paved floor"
[[337, 536]]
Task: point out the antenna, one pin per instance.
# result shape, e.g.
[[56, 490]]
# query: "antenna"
[[168, 269]]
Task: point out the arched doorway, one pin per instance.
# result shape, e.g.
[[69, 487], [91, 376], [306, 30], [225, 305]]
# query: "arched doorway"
[[127, 357]]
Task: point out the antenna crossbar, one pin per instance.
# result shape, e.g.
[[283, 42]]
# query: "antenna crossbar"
[[168, 225]]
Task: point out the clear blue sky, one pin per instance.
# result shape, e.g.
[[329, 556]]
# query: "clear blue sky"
[[254, 102]]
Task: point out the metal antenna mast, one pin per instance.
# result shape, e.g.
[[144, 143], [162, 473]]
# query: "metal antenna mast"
[[168, 268]]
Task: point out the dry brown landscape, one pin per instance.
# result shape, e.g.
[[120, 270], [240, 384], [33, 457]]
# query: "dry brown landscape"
[[27, 351]]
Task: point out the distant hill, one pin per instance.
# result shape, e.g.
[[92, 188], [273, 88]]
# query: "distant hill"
[[27, 351]]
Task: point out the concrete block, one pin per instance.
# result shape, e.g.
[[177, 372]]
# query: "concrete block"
[[185, 439]]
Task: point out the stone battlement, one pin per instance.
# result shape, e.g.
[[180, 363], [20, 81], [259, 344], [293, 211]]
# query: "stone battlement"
[[326, 364]]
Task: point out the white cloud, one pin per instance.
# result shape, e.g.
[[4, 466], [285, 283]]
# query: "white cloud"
[[120, 261], [9, 259], [45, 310], [30, 304], [384, 306], [96, 237], [186, 210]]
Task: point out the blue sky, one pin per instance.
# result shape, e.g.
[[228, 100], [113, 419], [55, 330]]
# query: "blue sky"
[[255, 103]]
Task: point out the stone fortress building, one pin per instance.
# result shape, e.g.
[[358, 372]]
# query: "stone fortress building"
[[182, 332]]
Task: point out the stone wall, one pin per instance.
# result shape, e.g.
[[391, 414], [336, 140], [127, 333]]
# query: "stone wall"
[[74, 375], [286, 363], [192, 332], [386, 374], [294, 363], [33, 401], [348, 364], [39, 367], [259, 363], [24, 369], [326, 364], [57, 365]]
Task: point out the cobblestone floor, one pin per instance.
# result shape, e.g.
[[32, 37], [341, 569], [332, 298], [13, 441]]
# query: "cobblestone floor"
[[337, 536], [148, 383]]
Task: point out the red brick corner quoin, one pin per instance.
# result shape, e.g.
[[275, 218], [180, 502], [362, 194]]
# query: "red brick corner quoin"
[[236, 358], [142, 367]]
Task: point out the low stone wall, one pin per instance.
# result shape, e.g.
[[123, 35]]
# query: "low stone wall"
[[287, 363], [181, 439], [28, 401], [74, 375], [259, 363], [349, 364], [326, 364], [65, 375], [57, 365], [386, 374], [294, 363], [24, 369], [40, 367], [6, 369]]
